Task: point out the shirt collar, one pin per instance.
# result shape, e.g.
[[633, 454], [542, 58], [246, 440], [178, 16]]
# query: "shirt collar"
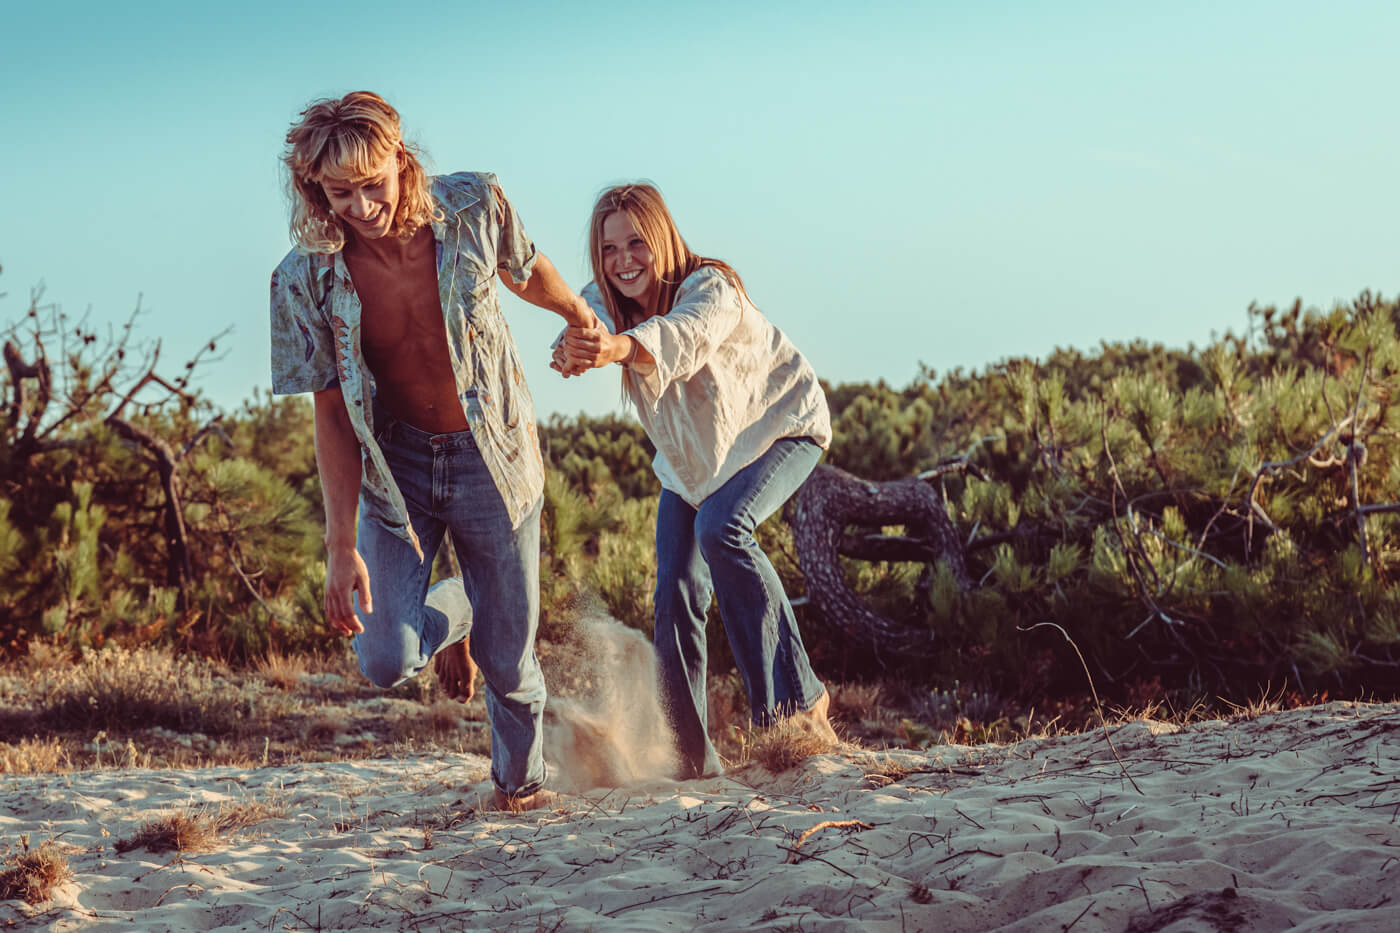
[[453, 198]]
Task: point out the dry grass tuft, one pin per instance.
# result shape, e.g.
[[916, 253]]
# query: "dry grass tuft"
[[883, 769], [325, 727], [34, 756], [857, 701], [32, 875], [784, 746], [282, 670], [198, 831], [117, 689], [180, 832]]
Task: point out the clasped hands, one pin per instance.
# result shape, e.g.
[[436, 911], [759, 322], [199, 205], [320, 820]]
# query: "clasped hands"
[[585, 348]]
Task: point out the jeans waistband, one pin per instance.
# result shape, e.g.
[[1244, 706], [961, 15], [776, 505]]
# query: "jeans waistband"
[[406, 433]]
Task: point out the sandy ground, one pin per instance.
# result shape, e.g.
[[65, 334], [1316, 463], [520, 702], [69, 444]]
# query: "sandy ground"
[[1286, 821]]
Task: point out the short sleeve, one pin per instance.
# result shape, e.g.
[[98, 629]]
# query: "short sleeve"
[[303, 345], [515, 252]]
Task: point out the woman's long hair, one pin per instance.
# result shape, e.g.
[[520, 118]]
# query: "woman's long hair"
[[673, 260], [352, 137]]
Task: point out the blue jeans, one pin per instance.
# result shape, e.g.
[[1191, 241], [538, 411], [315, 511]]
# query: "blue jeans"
[[449, 490], [712, 549]]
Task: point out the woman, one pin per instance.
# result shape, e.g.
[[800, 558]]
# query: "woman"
[[739, 421]]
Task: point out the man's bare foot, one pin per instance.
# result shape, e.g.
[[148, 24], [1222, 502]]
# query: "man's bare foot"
[[456, 671], [814, 719], [519, 803]]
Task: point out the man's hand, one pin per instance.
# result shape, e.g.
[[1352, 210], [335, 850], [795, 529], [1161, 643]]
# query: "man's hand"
[[345, 574], [586, 348], [456, 671]]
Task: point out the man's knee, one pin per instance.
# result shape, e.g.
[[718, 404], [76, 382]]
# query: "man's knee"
[[387, 663]]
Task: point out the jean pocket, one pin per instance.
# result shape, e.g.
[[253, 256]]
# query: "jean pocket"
[[384, 430]]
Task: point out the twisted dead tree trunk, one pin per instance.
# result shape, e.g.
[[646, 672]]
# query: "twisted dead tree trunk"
[[830, 502]]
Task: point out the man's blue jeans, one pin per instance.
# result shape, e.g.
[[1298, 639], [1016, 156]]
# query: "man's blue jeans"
[[449, 491], [712, 549]]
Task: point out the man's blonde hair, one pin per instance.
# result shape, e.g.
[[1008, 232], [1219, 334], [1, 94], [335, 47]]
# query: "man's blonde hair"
[[352, 137]]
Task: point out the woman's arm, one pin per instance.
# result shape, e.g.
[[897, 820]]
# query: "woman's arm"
[[671, 347], [583, 349]]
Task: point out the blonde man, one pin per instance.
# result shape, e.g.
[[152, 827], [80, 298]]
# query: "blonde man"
[[387, 311]]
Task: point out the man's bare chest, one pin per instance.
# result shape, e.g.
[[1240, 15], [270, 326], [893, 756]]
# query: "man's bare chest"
[[401, 311]]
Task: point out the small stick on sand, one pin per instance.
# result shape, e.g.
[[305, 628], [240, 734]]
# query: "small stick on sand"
[[824, 824]]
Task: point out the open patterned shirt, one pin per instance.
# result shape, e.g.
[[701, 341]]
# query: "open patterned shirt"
[[316, 318]]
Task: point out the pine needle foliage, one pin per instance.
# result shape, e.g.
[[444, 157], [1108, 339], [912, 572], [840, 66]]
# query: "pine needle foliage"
[[1214, 519], [1206, 520]]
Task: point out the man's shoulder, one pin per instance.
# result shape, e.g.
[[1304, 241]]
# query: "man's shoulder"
[[300, 278], [294, 263], [461, 190]]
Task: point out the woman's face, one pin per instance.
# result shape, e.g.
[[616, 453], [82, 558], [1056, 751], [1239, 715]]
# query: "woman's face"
[[627, 261]]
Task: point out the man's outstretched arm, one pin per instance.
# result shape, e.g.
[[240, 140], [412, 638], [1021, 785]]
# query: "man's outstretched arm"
[[547, 289]]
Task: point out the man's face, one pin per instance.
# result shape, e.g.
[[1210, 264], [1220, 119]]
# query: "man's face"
[[366, 205]]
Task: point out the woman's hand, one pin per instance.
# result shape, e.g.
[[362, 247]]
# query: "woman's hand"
[[585, 348]]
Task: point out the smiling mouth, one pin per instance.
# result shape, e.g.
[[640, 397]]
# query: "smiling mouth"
[[630, 276]]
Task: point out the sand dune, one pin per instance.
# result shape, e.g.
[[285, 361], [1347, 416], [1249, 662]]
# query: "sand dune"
[[1287, 821]]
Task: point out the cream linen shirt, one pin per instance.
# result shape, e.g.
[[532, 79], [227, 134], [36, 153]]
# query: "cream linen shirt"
[[726, 385]]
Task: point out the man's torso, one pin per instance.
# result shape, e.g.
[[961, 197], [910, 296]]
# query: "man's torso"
[[404, 340]]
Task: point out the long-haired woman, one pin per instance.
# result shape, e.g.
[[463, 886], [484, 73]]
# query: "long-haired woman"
[[739, 421]]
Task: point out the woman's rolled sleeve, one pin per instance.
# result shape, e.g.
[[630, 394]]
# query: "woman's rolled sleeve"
[[708, 308]]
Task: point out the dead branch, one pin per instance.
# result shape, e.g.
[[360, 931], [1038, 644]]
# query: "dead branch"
[[828, 503]]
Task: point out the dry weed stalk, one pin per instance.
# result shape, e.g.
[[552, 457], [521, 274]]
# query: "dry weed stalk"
[[1103, 721]]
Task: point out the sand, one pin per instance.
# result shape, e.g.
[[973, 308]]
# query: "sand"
[[1285, 821]]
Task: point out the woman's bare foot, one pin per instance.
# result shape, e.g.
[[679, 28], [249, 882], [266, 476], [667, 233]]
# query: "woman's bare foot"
[[814, 719], [456, 671], [519, 803]]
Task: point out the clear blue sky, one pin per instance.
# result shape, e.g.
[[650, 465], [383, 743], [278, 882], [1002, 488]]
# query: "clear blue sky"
[[945, 183]]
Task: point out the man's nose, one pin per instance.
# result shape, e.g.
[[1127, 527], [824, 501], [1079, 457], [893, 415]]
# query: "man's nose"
[[359, 206]]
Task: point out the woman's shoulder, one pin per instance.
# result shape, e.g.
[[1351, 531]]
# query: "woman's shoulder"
[[707, 283]]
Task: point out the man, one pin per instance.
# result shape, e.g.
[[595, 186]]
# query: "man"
[[388, 312]]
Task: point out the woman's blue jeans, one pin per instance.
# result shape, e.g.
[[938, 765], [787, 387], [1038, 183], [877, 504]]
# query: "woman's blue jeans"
[[449, 491], [712, 549]]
